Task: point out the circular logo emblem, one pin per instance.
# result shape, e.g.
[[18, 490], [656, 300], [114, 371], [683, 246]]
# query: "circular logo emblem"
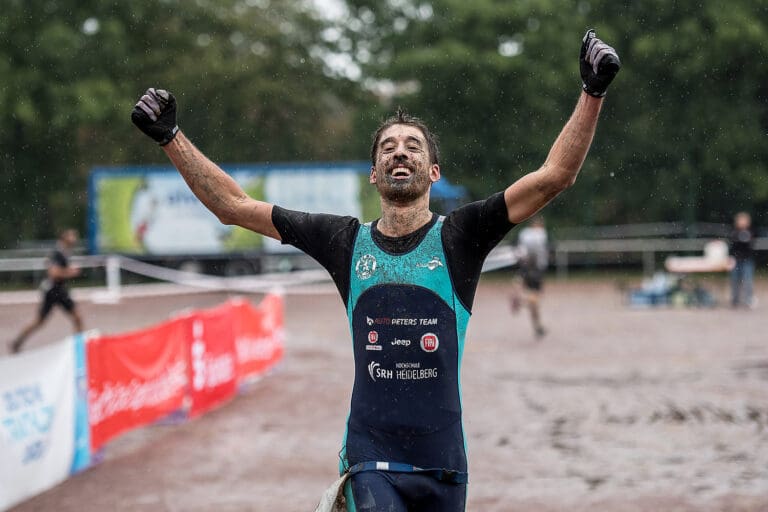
[[373, 337], [365, 266], [429, 342]]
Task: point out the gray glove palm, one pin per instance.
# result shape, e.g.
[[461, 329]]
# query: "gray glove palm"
[[598, 63], [155, 115]]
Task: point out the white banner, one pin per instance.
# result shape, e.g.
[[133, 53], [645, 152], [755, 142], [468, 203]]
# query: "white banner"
[[37, 398], [335, 191]]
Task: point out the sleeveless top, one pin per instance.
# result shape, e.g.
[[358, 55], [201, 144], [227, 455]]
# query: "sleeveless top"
[[408, 328]]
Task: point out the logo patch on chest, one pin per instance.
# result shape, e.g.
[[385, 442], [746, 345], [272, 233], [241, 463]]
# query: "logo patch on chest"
[[365, 266], [373, 338], [429, 342], [431, 264]]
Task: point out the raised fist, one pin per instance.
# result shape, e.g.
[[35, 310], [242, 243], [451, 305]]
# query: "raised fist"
[[155, 115], [599, 64]]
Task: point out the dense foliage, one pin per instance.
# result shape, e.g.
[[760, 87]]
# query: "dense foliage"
[[248, 76], [683, 134]]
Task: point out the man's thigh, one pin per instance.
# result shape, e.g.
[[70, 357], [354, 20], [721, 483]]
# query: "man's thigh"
[[405, 492], [426, 494], [46, 305], [374, 492], [64, 300]]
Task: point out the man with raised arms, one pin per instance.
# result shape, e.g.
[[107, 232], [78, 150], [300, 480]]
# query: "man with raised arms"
[[404, 443]]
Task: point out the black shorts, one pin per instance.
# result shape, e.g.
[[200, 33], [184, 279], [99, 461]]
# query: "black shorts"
[[534, 284], [56, 295], [375, 491], [533, 278]]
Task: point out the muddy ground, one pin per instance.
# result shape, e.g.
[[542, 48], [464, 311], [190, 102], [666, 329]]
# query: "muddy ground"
[[616, 409]]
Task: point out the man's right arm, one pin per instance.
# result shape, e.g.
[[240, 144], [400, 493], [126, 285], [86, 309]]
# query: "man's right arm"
[[155, 115]]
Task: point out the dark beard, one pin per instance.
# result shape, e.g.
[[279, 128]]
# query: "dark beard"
[[397, 191]]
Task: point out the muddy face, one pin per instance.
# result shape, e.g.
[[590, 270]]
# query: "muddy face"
[[403, 172]]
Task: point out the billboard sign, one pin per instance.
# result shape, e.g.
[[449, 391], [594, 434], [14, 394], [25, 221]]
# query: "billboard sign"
[[150, 211]]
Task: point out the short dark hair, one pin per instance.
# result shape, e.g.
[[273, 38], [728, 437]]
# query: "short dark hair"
[[402, 117]]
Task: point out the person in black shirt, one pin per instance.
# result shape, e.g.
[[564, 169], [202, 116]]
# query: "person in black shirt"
[[408, 282], [741, 245], [54, 288]]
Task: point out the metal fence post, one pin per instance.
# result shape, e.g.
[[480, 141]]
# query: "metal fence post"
[[113, 276]]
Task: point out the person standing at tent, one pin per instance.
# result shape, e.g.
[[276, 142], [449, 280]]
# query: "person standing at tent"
[[742, 241]]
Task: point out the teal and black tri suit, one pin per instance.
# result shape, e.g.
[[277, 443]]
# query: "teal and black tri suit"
[[408, 302]]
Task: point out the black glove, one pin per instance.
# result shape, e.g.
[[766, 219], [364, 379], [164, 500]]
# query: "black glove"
[[599, 63], [155, 115]]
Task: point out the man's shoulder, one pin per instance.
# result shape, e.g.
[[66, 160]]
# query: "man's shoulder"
[[282, 212], [315, 233], [471, 215], [301, 219]]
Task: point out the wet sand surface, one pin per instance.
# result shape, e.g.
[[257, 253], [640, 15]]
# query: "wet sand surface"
[[615, 409]]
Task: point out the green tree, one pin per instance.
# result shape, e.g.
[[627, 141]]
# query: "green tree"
[[683, 130], [249, 75]]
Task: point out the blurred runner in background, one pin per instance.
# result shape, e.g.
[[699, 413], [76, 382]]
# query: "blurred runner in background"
[[533, 253], [54, 288]]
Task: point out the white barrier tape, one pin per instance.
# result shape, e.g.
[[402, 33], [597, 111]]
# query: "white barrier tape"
[[245, 284], [27, 264], [178, 282]]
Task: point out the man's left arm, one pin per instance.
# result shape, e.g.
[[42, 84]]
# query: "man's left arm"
[[599, 64]]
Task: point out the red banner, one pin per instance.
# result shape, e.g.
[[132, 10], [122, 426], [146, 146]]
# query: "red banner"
[[212, 366], [140, 377], [135, 379], [258, 336]]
